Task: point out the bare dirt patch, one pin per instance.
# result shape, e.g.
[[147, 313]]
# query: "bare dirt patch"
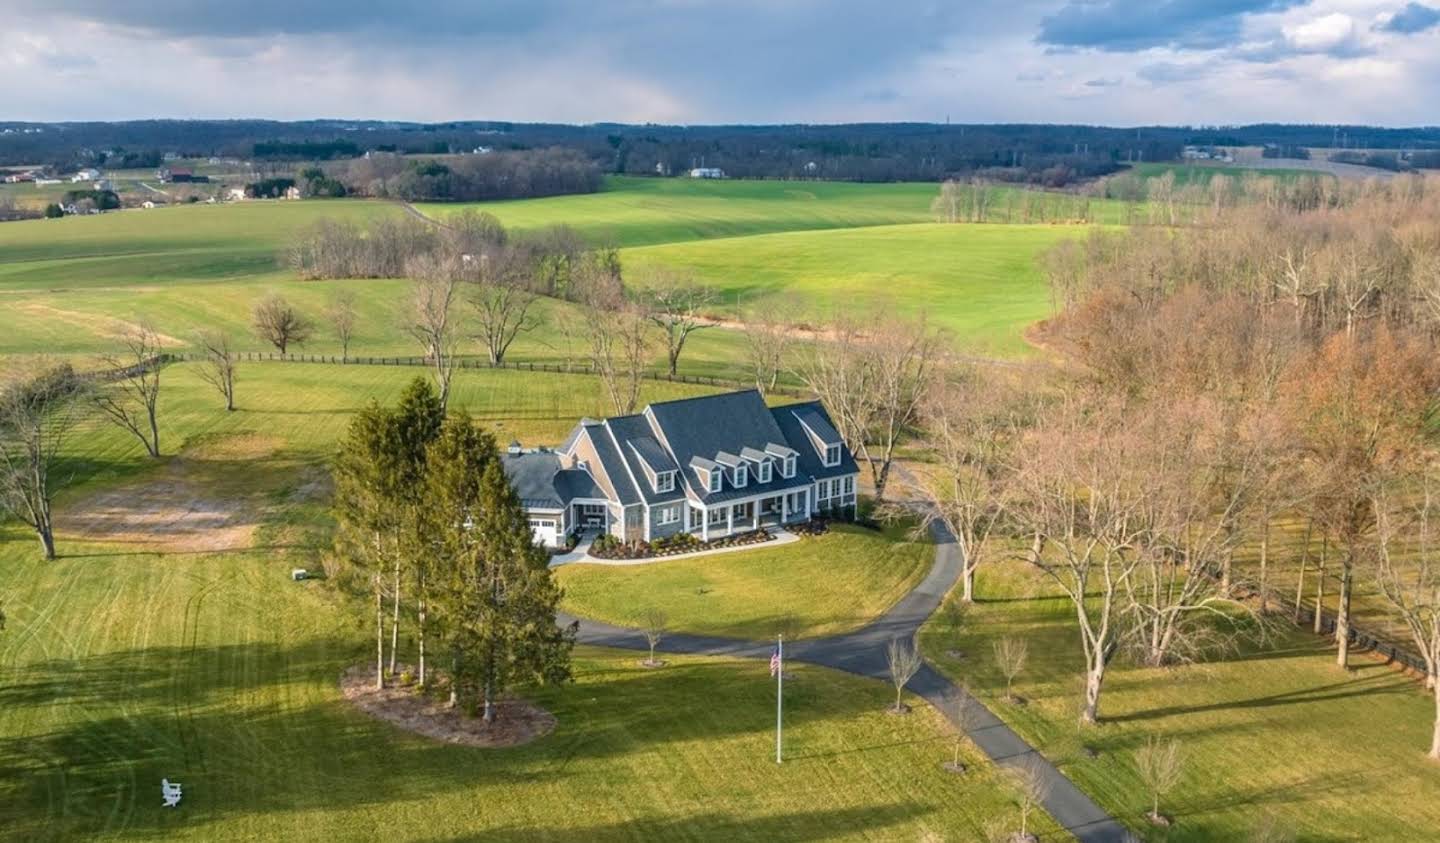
[[205, 500], [516, 721]]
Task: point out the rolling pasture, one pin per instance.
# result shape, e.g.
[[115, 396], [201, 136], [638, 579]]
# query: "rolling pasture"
[[69, 285]]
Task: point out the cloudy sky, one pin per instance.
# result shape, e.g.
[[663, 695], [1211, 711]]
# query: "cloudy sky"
[[711, 61]]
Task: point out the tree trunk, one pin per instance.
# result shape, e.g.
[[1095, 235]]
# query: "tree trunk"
[[1342, 620], [1225, 566], [379, 637], [1265, 565], [1300, 590], [421, 608], [1320, 589], [967, 581], [1094, 678], [395, 620], [1435, 737], [154, 435], [674, 360], [47, 540]]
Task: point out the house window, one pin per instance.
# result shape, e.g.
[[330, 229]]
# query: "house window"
[[832, 455], [665, 481], [715, 476], [824, 491], [741, 476], [716, 516], [847, 486], [667, 514], [763, 472], [789, 469]]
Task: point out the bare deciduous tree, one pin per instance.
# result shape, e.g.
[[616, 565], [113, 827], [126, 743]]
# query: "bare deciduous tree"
[[280, 324], [619, 336], [653, 624], [435, 283], [1032, 788], [1161, 765], [970, 424], [677, 305], [1010, 657], [220, 363], [131, 401], [1407, 573], [769, 336], [501, 298], [966, 711], [873, 375], [904, 661], [1079, 499], [342, 317], [38, 409]]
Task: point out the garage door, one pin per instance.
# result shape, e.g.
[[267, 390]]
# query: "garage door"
[[546, 531]]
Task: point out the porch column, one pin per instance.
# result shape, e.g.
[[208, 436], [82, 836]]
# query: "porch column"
[[729, 519], [784, 507], [705, 525]]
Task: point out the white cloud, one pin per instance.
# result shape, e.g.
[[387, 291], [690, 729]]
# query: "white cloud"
[[1322, 34]]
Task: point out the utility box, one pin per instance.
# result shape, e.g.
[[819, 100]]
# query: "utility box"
[[298, 574]]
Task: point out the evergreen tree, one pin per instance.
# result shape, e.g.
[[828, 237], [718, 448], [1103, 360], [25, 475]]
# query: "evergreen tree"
[[417, 420]]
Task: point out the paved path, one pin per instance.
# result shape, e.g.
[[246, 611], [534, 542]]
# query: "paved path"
[[862, 652]]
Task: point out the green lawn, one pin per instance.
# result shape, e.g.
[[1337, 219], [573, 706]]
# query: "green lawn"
[[819, 586], [981, 282], [1274, 730], [643, 211], [1202, 173], [128, 660]]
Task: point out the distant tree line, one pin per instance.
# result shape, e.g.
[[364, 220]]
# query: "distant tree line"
[[470, 178]]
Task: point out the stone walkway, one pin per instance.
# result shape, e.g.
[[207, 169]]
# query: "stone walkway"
[[862, 652]]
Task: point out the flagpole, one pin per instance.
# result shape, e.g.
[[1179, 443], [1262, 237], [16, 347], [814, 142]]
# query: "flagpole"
[[779, 692]]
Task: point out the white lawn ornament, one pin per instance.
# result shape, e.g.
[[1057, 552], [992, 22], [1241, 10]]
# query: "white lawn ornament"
[[170, 792], [298, 574]]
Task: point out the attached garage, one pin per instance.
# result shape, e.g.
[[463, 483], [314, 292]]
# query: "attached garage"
[[546, 529]]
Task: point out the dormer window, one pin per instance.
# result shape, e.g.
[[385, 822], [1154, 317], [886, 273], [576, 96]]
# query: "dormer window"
[[787, 470], [763, 472], [665, 481], [742, 476], [832, 455], [715, 475]]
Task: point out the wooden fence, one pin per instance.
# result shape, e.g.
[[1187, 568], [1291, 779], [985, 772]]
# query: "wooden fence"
[[472, 363]]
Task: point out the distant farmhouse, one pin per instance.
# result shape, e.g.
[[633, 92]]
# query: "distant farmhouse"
[[707, 173], [85, 175], [176, 175], [711, 466]]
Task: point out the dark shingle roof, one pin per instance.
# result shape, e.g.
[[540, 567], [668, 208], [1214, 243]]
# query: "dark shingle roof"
[[633, 432], [807, 460], [533, 476], [574, 483], [655, 457], [612, 464], [814, 418], [716, 427]]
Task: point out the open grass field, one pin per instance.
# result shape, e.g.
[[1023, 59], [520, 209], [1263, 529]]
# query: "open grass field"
[[168, 641], [822, 585], [1196, 172], [1272, 731], [67, 286], [982, 283]]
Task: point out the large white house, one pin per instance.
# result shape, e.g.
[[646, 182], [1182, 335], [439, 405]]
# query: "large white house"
[[712, 466]]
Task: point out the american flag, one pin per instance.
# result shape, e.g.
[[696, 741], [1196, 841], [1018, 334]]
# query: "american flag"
[[775, 662]]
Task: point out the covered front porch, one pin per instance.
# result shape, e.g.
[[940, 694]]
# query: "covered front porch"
[[747, 514]]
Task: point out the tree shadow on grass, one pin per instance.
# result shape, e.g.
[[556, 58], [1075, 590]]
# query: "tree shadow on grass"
[[253, 729], [1375, 684], [794, 826]]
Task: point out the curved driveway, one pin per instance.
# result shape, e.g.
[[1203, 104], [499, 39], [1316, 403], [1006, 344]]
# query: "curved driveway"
[[862, 652]]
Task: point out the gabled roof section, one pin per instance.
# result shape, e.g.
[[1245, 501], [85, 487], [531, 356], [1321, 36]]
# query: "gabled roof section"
[[779, 451], [574, 483], [612, 463], [655, 458], [633, 437], [817, 423], [807, 459]]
